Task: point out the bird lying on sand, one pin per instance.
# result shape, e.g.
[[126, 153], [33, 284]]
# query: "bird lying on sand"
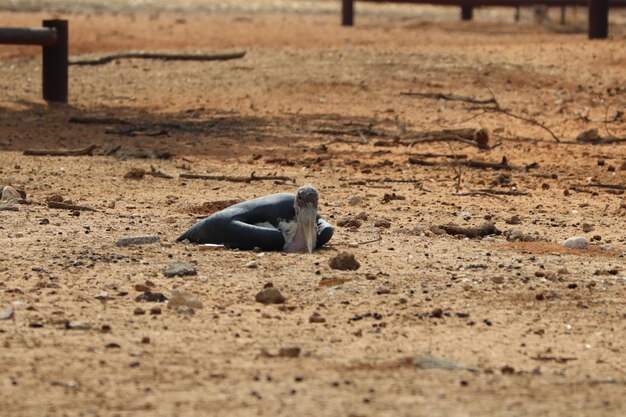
[[280, 221]]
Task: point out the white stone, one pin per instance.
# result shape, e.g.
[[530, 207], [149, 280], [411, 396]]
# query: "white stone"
[[355, 200], [577, 242], [10, 195]]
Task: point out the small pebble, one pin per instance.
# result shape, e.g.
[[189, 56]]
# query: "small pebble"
[[7, 314], [270, 295], [183, 299], [138, 240], [316, 318], [179, 268], [156, 310], [103, 295], [135, 174], [78, 325], [355, 200], [345, 262], [151, 297], [290, 352], [252, 265]]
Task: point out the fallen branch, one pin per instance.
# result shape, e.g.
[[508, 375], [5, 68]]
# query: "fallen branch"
[[88, 151], [163, 56], [608, 186], [366, 180], [251, 178], [360, 132], [451, 97], [474, 137], [137, 131], [362, 141], [95, 120], [534, 122], [365, 242], [504, 164], [439, 155], [557, 359], [491, 192], [483, 230], [66, 206], [499, 109]]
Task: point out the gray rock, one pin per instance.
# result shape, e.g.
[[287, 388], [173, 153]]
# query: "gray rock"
[[270, 295], [179, 268], [345, 262], [183, 299], [432, 362], [9, 208], [138, 240], [7, 314], [289, 352], [78, 325], [151, 297], [519, 236], [103, 295], [577, 242], [589, 135], [10, 195]]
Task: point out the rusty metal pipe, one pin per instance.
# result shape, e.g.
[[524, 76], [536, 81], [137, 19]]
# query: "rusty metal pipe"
[[347, 12], [598, 19], [56, 63], [28, 36]]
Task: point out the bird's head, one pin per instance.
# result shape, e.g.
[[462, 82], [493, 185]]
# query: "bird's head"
[[305, 205]]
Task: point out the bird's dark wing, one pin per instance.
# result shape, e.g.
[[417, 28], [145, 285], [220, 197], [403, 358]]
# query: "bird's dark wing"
[[247, 236], [324, 232]]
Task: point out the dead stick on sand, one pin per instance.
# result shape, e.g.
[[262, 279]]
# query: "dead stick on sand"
[[450, 97], [252, 177], [88, 151], [609, 186], [485, 229], [504, 164], [163, 56], [378, 239], [364, 181], [499, 109], [66, 206], [96, 120], [491, 192]]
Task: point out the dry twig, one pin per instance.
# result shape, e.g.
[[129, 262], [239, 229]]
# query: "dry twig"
[[504, 164], [608, 186], [88, 151], [451, 97], [162, 56], [251, 178], [66, 206], [488, 191], [483, 230]]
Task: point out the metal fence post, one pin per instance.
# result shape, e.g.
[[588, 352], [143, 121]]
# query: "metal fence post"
[[55, 63], [598, 19], [467, 12], [347, 12]]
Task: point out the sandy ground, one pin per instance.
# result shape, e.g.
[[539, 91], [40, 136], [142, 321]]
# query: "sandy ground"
[[541, 326]]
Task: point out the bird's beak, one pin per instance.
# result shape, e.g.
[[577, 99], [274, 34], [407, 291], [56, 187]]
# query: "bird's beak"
[[308, 219]]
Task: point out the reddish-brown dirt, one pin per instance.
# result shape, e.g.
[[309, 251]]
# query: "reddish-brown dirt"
[[542, 326]]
